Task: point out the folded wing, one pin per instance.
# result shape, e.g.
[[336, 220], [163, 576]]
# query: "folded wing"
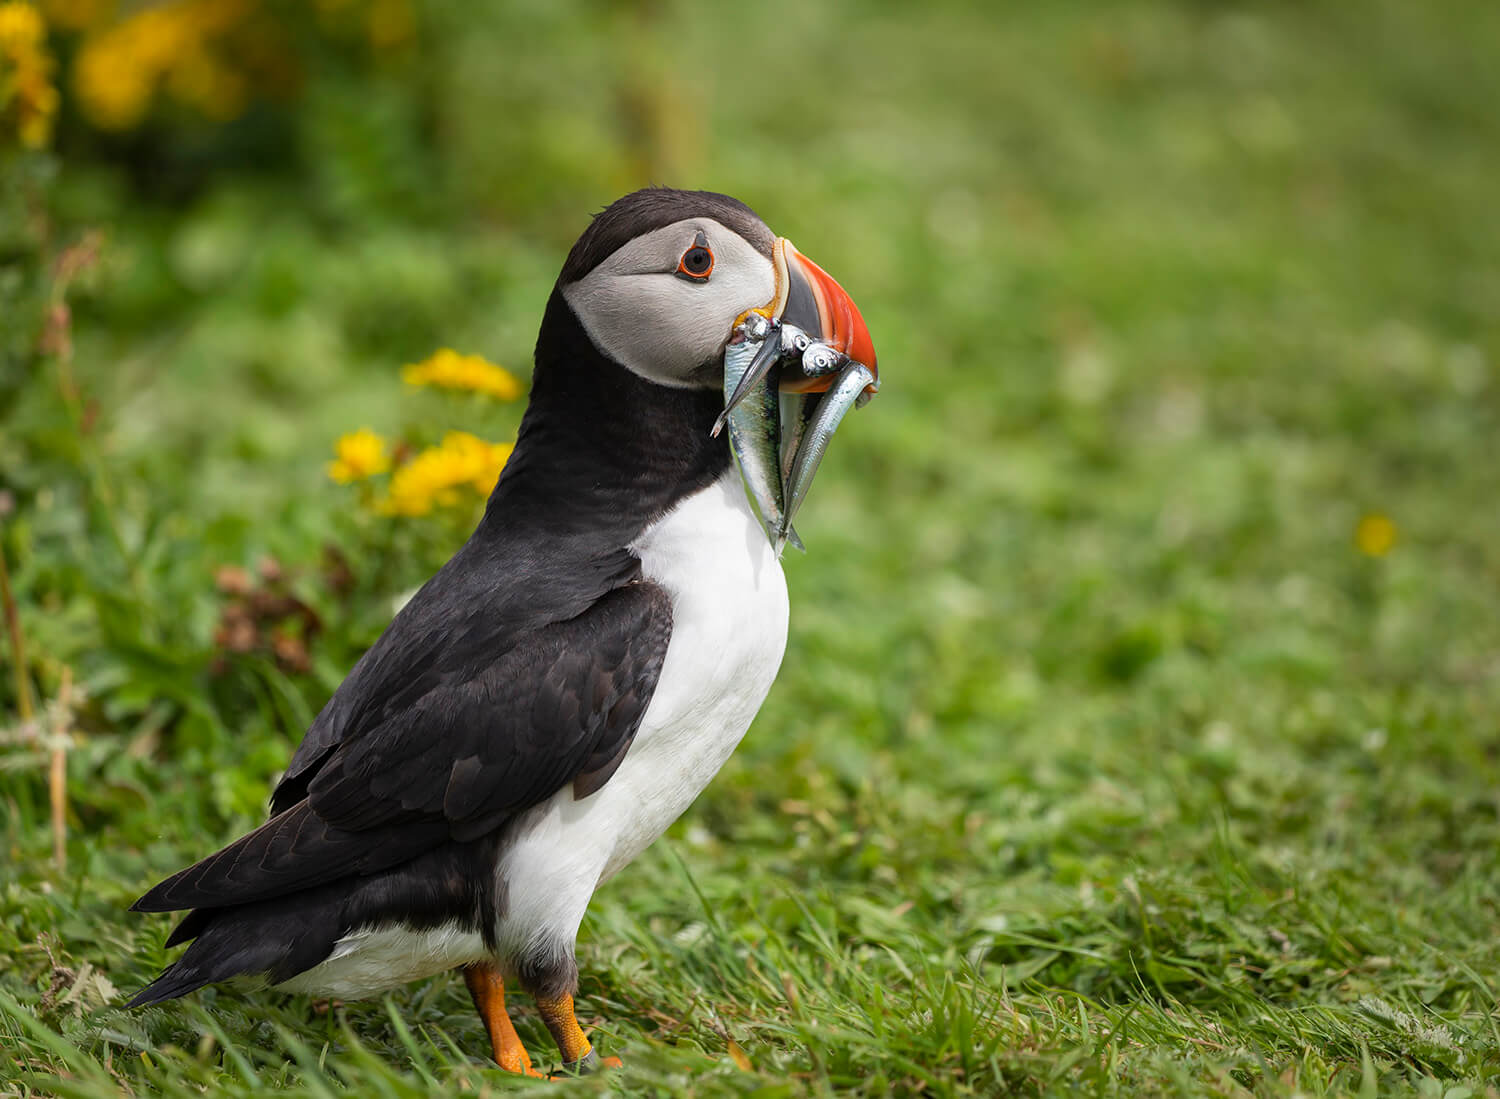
[[481, 741]]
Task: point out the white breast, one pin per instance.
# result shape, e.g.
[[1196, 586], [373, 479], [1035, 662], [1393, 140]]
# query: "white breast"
[[729, 625]]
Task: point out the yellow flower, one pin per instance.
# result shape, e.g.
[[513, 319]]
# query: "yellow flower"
[[38, 106], [176, 46], [447, 369], [361, 454], [26, 91], [21, 29], [1375, 535], [116, 73], [113, 90], [445, 474]]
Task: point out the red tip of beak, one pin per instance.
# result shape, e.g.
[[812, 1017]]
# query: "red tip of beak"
[[843, 327]]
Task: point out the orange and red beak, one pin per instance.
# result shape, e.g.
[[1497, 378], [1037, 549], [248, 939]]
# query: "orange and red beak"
[[780, 424], [819, 306]]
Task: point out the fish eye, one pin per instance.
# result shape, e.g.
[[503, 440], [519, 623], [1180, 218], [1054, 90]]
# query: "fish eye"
[[697, 263]]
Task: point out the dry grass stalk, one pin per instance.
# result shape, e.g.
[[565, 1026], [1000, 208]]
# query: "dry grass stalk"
[[57, 775], [17, 641]]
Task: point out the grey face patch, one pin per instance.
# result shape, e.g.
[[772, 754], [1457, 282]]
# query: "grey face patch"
[[662, 327]]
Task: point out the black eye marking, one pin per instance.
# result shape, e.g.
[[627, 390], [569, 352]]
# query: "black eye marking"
[[697, 263]]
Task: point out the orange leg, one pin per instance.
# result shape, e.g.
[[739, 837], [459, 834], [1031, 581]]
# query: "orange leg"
[[487, 988], [578, 1055]]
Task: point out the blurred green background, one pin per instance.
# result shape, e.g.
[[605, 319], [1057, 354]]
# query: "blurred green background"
[[1137, 732]]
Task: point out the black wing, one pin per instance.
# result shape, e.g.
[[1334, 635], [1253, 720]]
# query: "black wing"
[[497, 591], [479, 744]]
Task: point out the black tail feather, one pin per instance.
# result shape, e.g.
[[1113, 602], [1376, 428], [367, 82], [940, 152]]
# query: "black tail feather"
[[284, 936], [190, 927], [232, 942], [176, 980]]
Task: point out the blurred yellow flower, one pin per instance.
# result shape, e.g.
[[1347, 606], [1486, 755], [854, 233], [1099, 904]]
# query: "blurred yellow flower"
[[27, 96], [444, 475], [176, 46], [361, 454], [1375, 535], [447, 369], [21, 28]]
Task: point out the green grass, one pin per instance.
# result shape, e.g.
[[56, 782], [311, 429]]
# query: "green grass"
[[1101, 761]]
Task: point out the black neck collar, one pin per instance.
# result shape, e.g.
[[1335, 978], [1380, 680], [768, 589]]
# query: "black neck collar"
[[601, 452]]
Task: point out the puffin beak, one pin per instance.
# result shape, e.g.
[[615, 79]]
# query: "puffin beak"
[[837, 372], [792, 368], [822, 308], [818, 333]]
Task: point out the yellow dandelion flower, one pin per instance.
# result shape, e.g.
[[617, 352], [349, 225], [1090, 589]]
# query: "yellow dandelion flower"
[[361, 454], [447, 369], [36, 106], [1375, 535], [446, 475], [115, 77], [488, 471], [21, 29], [26, 92], [174, 46]]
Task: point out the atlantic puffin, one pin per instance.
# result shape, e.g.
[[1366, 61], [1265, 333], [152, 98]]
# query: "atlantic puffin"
[[562, 689]]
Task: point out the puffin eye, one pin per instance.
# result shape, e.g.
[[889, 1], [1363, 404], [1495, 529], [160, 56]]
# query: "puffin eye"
[[697, 263]]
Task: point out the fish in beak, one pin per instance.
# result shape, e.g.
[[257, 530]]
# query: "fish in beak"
[[792, 369]]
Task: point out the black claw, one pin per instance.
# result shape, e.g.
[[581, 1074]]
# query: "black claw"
[[585, 1065]]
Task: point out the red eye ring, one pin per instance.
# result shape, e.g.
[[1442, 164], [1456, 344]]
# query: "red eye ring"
[[697, 263]]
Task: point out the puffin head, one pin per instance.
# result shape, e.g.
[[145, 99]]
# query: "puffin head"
[[660, 278], [666, 298]]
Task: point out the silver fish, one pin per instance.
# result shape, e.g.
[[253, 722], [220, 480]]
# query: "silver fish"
[[824, 420], [819, 359], [755, 429], [782, 342], [748, 349], [798, 409]]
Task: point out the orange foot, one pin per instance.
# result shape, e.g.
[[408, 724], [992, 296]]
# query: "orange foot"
[[488, 991], [517, 1060]]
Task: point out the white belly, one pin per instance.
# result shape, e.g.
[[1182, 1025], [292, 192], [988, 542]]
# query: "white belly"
[[369, 961], [729, 625]]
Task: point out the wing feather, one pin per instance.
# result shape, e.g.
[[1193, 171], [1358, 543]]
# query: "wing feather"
[[455, 760]]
